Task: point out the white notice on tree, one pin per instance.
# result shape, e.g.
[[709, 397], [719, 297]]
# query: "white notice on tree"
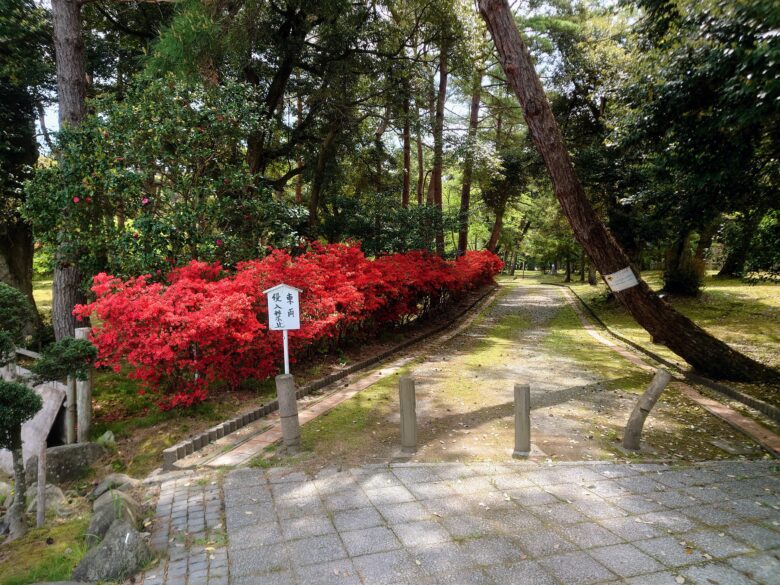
[[621, 280]]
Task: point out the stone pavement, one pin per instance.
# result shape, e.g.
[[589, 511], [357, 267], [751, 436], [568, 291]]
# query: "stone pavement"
[[582, 523]]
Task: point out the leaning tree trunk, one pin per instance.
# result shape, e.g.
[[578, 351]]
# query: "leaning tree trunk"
[[438, 147], [495, 233], [659, 318], [71, 93], [468, 164]]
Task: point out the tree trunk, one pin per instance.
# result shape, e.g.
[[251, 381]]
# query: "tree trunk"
[[582, 265], [468, 164], [319, 178], [299, 178], [495, 233], [591, 275], [17, 522], [567, 278], [438, 145], [16, 259], [705, 241], [734, 265], [407, 149], [420, 166], [659, 318], [71, 94]]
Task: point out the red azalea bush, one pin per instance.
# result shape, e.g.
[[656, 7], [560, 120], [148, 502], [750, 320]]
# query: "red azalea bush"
[[208, 326]]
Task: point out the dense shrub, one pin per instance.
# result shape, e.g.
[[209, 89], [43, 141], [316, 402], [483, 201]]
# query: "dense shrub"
[[206, 327]]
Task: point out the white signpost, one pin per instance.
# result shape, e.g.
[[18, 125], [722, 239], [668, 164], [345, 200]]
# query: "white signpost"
[[621, 280], [284, 313]]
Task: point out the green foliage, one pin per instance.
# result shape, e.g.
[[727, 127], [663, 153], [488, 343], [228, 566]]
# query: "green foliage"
[[15, 312], [157, 179], [67, 357], [18, 404]]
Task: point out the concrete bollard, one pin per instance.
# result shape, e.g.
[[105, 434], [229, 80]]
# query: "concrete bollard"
[[170, 456], [288, 411], [522, 421], [84, 397], [408, 414]]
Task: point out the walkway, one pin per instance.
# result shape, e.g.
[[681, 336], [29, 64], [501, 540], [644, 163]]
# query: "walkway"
[[463, 524]]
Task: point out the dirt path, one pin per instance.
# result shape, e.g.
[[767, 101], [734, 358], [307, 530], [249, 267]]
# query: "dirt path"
[[471, 379]]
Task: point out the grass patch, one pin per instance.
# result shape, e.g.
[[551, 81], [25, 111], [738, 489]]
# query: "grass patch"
[[42, 296], [31, 560]]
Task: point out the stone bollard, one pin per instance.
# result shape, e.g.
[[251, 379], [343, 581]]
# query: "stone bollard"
[[522, 421], [84, 397], [288, 411], [408, 414]]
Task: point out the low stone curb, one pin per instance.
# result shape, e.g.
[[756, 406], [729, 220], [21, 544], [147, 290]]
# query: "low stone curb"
[[763, 407], [187, 447]]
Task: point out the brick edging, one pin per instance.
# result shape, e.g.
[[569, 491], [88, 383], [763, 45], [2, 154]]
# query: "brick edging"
[[189, 446], [769, 410]]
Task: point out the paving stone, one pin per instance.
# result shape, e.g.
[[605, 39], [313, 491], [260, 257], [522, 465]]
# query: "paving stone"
[[531, 496], [590, 535], [334, 573], [513, 521], [672, 521], [755, 536], [625, 560], [629, 529], [543, 542], [461, 527], [357, 519], [558, 513], [346, 500], [710, 515], [673, 499], [385, 568], [663, 578], [278, 578], [306, 526], [298, 507], [576, 569], [377, 480], [511, 482], [389, 495], [717, 544], [447, 506], [640, 484], [412, 475], [471, 485], [522, 573], [716, 573], [421, 533], [369, 540], [440, 557], [426, 491], [637, 504], [599, 509], [670, 552], [403, 513], [762, 568], [317, 549], [272, 558], [493, 550], [748, 509], [470, 576]]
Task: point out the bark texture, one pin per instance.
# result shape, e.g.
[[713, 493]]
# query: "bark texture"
[[704, 352], [468, 164], [632, 437], [71, 93], [438, 145]]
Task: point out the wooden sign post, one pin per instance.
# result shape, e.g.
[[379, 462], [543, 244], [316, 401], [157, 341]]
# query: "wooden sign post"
[[284, 313]]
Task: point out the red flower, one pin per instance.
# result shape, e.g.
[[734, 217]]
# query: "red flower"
[[76, 200]]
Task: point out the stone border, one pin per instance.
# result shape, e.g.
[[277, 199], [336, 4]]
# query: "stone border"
[[769, 410], [189, 446]]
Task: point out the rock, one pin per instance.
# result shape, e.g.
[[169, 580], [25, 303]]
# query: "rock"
[[55, 499], [104, 517], [116, 500], [121, 555], [5, 491], [115, 481], [65, 463], [107, 440]]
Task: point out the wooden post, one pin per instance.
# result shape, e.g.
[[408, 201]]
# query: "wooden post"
[[406, 396], [633, 433], [70, 410], [40, 513], [84, 397], [522, 421]]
